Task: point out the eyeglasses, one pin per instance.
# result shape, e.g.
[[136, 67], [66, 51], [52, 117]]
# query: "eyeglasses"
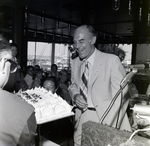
[[13, 66]]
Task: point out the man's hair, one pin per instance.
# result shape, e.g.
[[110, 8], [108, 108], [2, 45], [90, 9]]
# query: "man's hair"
[[91, 30], [4, 46]]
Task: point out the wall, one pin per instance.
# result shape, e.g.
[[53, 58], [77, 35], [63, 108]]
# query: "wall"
[[143, 52]]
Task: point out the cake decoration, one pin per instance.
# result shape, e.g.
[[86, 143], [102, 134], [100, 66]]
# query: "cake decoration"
[[46, 104]]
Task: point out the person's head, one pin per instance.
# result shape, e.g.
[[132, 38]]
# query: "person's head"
[[64, 75], [30, 70], [7, 65], [121, 55], [36, 67], [54, 68], [14, 49], [39, 74], [84, 40], [50, 84]]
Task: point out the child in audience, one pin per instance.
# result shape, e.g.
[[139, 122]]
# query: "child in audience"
[[59, 131], [50, 84]]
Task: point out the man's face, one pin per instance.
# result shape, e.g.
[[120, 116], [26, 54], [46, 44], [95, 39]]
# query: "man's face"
[[84, 42], [4, 70]]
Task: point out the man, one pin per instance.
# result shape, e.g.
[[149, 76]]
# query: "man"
[[17, 118], [105, 73]]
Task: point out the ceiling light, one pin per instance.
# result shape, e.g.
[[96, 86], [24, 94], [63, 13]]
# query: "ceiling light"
[[43, 18], [26, 15], [140, 14], [115, 5], [148, 21], [129, 7]]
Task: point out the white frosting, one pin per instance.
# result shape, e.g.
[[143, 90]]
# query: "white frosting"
[[46, 104]]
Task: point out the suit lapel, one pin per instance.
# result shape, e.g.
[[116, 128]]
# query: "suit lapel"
[[79, 70], [96, 67]]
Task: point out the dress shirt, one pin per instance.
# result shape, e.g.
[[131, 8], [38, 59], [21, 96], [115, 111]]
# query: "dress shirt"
[[90, 62]]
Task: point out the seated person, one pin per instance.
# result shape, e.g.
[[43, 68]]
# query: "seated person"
[[37, 67], [17, 118], [50, 84], [26, 82], [60, 131], [54, 71], [37, 82], [19, 81], [29, 76], [63, 85]]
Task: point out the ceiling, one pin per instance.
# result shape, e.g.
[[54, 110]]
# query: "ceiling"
[[49, 19]]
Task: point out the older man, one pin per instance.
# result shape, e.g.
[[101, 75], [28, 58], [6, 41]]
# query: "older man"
[[17, 118], [96, 78]]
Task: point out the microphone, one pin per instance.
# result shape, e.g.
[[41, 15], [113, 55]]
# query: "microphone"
[[127, 78], [123, 84], [137, 66]]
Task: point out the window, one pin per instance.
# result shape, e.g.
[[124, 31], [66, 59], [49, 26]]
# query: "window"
[[128, 53], [41, 53], [62, 56]]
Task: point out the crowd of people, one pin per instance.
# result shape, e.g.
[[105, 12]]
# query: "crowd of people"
[[22, 128], [34, 76], [94, 80]]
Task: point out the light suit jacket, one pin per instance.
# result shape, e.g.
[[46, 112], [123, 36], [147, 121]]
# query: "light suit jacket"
[[17, 121], [107, 74]]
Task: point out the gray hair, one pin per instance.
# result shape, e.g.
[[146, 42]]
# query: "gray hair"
[[4, 46], [91, 30]]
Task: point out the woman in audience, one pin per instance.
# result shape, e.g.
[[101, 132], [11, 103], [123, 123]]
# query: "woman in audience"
[[29, 76], [37, 82], [54, 71], [16, 77]]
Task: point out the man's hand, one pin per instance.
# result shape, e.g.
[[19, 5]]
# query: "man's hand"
[[140, 122], [80, 102]]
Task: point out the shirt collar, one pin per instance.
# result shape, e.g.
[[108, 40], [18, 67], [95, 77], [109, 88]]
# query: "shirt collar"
[[91, 58]]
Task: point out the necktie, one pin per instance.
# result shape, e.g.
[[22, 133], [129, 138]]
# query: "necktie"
[[84, 82]]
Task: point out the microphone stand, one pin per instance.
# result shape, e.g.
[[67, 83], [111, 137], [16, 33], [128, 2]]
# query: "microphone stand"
[[123, 84]]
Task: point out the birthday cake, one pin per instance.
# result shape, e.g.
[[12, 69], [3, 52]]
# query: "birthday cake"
[[47, 105]]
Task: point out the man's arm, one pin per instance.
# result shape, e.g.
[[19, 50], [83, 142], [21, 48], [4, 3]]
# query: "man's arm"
[[73, 89], [28, 134], [118, 73]]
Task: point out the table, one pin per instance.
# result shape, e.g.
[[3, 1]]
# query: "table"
[[53, 119]]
